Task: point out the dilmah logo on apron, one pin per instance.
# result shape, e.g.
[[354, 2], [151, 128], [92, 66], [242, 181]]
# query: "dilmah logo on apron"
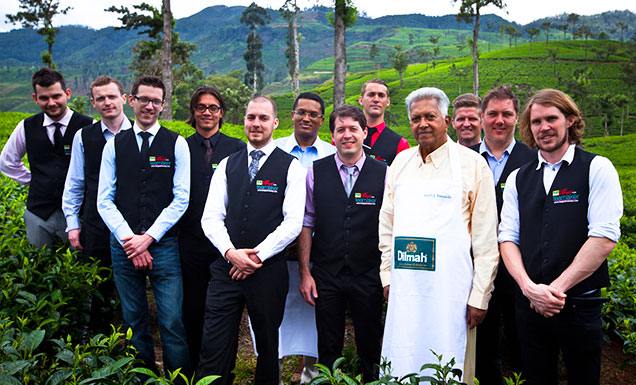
[[67, 149], [364, 198], [414, 253], [564, 195], [266, 186], [159, 161]]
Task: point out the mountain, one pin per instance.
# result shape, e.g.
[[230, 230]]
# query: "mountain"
[[82, 53]]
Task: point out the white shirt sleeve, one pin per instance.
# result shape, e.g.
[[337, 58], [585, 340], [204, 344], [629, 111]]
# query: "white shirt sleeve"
[[73, 195], [14, 149], [293, 214], [106, 195], [509, 225], [215, 210], [605, 201]]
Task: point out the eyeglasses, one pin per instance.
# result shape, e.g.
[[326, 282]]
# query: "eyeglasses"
[[213, 108], [145, 101], [303, 113]]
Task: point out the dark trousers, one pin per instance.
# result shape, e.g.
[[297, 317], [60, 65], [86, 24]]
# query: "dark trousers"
[[497, 334], [264, 294], [362, 295], [102, 310], [575, 331], [195, 268]]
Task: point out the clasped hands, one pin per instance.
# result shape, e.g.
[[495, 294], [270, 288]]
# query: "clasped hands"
[[546, 300], [244, 262], [136, 248]]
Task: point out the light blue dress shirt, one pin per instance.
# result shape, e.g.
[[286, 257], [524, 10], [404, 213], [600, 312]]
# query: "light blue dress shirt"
[[306, 157], [108, 185], [73, 196], [496, 165]]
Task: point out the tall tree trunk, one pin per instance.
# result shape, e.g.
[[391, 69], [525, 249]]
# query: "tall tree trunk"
[[166, 58], [476, 51], [340, 54], [296, 52]]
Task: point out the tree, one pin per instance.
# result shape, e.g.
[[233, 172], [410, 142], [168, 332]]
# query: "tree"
[[400, 62], [532, 33], [563, 28], [424, 55], [374, 52], [150, 57], [235, 95], [254, 16], [622, 26], [545, 26], [166, 57], [38, 15], [586, 33], [344, 15], [573, 18], [470, 10], [512, 33], [621, 102], [460, 74], [290, 11]]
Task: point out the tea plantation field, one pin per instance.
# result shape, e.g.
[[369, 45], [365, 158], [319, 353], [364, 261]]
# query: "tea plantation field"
[[43, 294]]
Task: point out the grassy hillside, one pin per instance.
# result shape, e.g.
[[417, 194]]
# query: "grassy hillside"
[[528, 67]]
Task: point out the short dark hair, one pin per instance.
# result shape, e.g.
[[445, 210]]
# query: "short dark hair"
[[46, 77], [105, 80], [500, 93], [194, 100], [310, 96], [266, 98], [466, 101], [150, 81], [376, 81], [347, 111]]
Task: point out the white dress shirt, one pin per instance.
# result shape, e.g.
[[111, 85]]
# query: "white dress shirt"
[[605, 202], [73, 195], [11, 163], [213, 220], [108, 186]]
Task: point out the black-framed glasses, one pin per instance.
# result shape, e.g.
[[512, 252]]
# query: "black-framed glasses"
[[303, 113], [213, 108], [146, 100]]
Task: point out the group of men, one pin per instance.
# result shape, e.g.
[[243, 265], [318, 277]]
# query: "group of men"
[[302, 232]]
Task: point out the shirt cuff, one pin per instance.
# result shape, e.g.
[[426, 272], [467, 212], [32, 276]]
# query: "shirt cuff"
[[156, 234], [72, 223], [478, 300], [123, 232], [385, 278]]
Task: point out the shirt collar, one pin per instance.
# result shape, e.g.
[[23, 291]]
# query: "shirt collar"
[[568, 157], [438, 156], [267, 149], [483, 147], [152, 130], [125, 124], [380, 127], [358, 164], [64, 121], [293, 144]]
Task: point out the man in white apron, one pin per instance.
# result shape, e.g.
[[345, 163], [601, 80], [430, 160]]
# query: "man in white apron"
[[439, 204]]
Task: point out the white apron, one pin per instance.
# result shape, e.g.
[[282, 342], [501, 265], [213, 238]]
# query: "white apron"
[[297, 334], [428, 297]]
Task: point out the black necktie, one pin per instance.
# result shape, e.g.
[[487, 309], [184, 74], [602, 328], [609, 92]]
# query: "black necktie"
[[145, 145], [58, 141], [209, 151], [370, 132]]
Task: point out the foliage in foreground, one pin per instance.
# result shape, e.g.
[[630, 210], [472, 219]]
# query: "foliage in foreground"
[[439, 373]]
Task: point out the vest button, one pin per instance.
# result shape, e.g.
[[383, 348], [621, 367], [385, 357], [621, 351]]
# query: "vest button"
[[246, 206], [244, 219], [545, 243], [348, 218], [247, 193]]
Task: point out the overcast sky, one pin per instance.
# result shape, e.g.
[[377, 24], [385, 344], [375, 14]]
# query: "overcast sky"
[[92, 12]]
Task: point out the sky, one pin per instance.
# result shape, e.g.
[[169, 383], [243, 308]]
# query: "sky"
[[92, 14]]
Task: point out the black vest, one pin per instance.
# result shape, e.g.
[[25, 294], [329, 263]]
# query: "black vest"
[[144, 188], [191, 234], [520, 155], [94, 142], [346, 230], [385, 147], [48, 169], [255, 209], [553, 226]]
